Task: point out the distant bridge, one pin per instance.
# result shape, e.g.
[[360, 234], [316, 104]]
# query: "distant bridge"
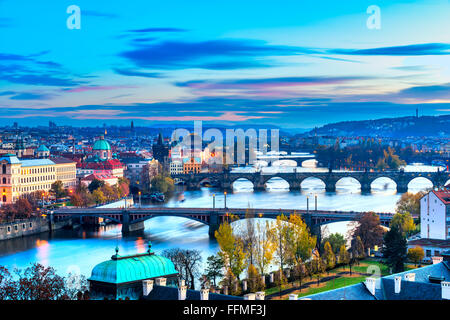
[[294, 179], [132, 219]]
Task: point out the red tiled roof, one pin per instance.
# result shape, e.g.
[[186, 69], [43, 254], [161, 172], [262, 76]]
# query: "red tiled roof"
[[430, 243], [94, 176], [443, 195]]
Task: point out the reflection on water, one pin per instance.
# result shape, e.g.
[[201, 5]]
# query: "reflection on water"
[[82, 248]]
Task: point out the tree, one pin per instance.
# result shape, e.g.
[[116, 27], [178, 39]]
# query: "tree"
[[336, 240], [344, 256], [416, 254], [403, 222], [328, 256], [214, 268], [95, 184], [58, 190], [23, 208], [98, 196], [248, 236], [162, 183], [394, 249], [409, 203], [187, 263], [264, 247], [76, 200], [357, 248], [231, 249], [369, 230], [300, 241], [280, 236], [254, 279], [38, 283]]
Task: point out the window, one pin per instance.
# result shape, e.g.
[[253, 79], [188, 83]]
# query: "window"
[[4, 180], [4, 169], [9, 228], [428, 253]]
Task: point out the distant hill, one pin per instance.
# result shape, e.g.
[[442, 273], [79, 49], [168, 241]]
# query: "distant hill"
[[425, 126]]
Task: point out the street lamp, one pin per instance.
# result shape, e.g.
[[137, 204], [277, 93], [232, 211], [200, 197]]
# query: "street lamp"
[[139, 199], [225, 199], [214, 201]]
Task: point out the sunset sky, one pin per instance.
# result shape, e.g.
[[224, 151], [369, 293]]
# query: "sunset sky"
[[295, 64]]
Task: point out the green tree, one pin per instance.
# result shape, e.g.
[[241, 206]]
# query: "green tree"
[[357, 248], [394, 249], [58, 190], [214, 268], [336, 240], [344, 256], [98, 196], [416, 254], [95, 184]]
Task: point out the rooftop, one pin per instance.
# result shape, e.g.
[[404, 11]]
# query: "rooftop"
[[36, 162]]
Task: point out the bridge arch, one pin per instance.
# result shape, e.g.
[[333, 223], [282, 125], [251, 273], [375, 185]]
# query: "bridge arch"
[[312, 183], [282, 184], [242, 184], [383, 183], [420, 183], [348, 182]]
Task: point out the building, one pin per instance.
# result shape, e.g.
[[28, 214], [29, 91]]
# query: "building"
[[102, 149], [176, 167], [435, 215], [106, 178], [66, 172], [160, 151], [20, 177], [42, 152], [122, 276], [191, 165], [426, 283], [139, 169]]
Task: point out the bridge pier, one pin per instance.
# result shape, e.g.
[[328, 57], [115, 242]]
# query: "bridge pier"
[[214, 223], [365, 187], [402, 188], [330, 187], [132, 227]]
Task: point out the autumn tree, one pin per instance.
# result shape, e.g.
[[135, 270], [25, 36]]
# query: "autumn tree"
[[403, 222], [394, 249], [416, 254], [280, 236], [95, 184], [369, 230], [357, 249], [409, 203], [328, 256], [231, 249], [98, 196], [254, 279], [264, 247], [344, 256]]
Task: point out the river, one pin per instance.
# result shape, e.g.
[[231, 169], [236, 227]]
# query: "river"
[[78, 251]]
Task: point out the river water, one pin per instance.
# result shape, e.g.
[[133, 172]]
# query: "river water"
[[78, 251]]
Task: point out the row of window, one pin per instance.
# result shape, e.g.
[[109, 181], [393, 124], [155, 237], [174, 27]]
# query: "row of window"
[[16, 227]]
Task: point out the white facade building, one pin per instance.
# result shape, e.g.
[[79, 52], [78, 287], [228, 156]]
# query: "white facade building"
[[435, 215], [176, 167]]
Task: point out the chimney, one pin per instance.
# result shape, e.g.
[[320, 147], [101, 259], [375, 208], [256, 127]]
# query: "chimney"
[[147, 286], [161, 282], [244, 285], [410, 277], [204, 294], [370, 285], [271, 277], [260, 295], [182, 293], [181, 283], [293, 297], [445, 286], [249, 296], [398, 283]]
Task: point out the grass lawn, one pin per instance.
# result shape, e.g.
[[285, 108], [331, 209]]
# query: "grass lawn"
[[343, 280]]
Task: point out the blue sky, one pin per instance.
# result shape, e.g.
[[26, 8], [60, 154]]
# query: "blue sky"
[[297, 64]]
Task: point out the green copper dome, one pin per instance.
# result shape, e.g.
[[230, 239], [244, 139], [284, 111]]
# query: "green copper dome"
[[132, 268], [42, 148], [101, 144]]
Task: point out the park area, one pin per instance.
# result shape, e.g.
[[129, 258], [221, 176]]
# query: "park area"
[[336, 278]]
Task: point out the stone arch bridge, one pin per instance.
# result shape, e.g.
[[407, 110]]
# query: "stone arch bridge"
[[295, 179], [132, 219]]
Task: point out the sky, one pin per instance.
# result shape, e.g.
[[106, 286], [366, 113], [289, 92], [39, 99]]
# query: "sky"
[[295, 64]]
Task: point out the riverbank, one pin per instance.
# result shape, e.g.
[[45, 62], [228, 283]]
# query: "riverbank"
[[27, 227]]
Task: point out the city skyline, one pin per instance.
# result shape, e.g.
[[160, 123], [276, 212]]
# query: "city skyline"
[[296, 65]]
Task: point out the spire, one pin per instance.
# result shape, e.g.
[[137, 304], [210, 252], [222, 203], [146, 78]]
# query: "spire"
[[160, 139]]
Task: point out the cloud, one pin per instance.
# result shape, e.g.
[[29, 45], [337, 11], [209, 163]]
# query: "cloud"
[[223, 54], [151, 30], [7, 93], [98, 88], [135, 73], [433, 92], [408, 50], [35, 79], [31, 96]]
